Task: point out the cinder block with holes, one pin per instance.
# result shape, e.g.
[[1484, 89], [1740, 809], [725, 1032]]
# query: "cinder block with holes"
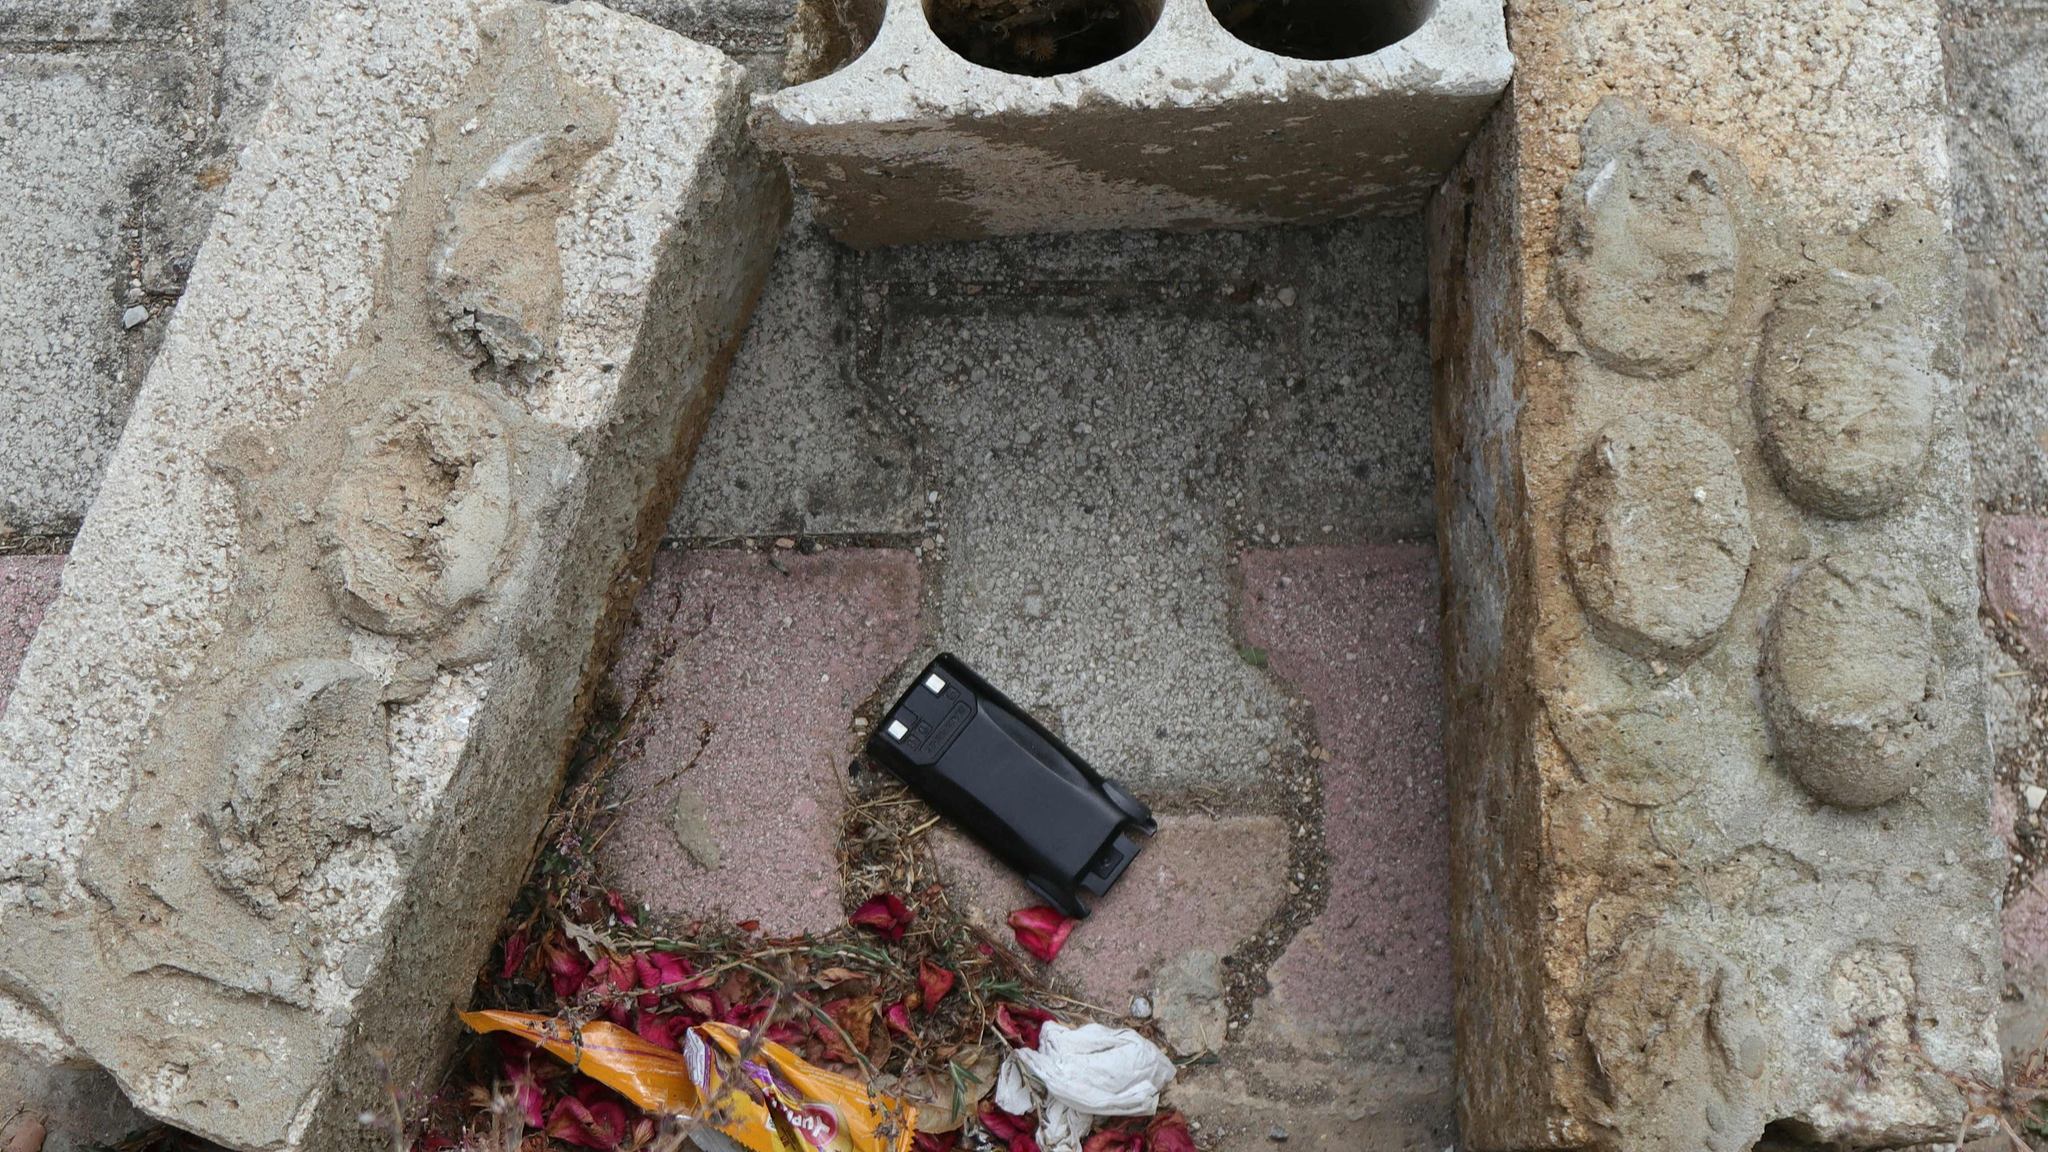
[[923, 120]]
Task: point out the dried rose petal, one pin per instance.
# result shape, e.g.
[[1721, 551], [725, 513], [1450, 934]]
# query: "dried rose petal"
[[666, 1031], [788, 1033], [1115, 1140], [1019, 1025], [1168, 1132], [592, 1123], [938, 1141], [515, 954], [1006, 1125], [831, 1045], [898, 1019], [886, 914], [567, 969], [526, 1089], [1042, 931], [933, 982], [620, 908]]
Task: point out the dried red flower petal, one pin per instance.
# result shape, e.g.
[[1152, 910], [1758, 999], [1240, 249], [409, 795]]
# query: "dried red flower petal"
[[567, 969], [1042, 931], [1006, 1125], [514, 955], [620, 908], [938, 1141], [788, 1033], [666, 1031], [1024, 1143], [886, 914], [898, 1019], [831, 1045], [1019, 1025], [593, 1123], [933, 982], [1168, 1132], [1115, 1140]]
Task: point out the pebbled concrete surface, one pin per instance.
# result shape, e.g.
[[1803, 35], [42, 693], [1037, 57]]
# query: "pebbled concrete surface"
[[1204, 883], [1998, 95], [75, 133], [797, 445], [80, 1109], [1094, 425], [741, 680], [1354, 630], [27, 585]]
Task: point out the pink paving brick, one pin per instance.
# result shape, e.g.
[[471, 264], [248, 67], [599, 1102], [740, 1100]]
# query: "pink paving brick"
[[763, 671], [27, 585], [2026, 926], [2016, 577], [1203, 882], [1354, 630]]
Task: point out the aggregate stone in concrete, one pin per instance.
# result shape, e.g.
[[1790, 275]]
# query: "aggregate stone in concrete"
[[77, 132], [98, 21], [276, 757], [1102, 439], [2016, 577], [798, 446], [27, 585], [1353, 629], [741, 680], [1205, 883], [1998, 99]]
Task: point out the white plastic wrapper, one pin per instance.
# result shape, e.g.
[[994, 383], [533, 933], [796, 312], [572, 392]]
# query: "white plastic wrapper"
[[1078, 1074]]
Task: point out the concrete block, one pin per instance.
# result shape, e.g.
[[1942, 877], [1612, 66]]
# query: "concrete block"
[[1722, 855], [956, 119], [278, 754]]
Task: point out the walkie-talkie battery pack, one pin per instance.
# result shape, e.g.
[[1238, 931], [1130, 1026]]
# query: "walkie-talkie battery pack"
[[989, 767]]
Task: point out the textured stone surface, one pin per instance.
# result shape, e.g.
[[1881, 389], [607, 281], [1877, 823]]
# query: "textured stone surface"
[[910, 141], [1095, 473], [1642, 880], [2016, 577], [742, 680], [27, 585], [246, 911], [78, 132], [798, 445], [1354, 629], [1174, 899]]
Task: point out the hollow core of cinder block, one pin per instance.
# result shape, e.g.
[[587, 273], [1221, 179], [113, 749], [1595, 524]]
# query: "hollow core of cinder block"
[[1321, 29], [1041, 37]]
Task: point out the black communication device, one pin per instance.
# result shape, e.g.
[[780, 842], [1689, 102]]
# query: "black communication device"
[[993, 770]]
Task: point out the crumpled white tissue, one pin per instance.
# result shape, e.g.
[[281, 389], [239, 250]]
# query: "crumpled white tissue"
[[1078, 1074]]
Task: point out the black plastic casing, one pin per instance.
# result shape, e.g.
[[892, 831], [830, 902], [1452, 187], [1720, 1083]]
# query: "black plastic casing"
[[990, 768]]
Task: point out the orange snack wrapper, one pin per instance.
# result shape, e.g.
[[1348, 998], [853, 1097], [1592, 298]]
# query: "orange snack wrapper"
[[787, 1104]]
